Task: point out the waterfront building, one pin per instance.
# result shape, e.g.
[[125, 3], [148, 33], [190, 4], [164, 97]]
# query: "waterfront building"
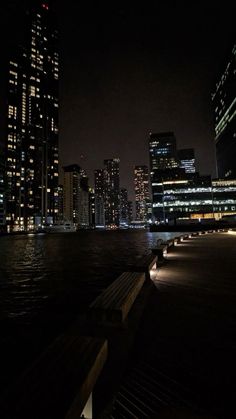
[[162, 151], [142, 194], [186, 158], [193, 198], [71, 187], [32, 124], [2, 190], [91, 208], [130, 212], [124, 209], [99, 198], [60, 202], [83, 201], [224, 105], [112, 192]]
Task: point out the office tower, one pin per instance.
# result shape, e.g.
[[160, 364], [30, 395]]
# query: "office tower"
[[130, 212], [83, 216], [124, 209], [2, 191], [224, 104], [112, 191], [99, 198], [32, 124], [60, 203], [71, 187], [142, 195], [186, 157], [162, 151], [91, 208]]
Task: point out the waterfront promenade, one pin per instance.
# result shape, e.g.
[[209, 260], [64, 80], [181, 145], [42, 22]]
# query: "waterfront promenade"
[[183, 358]]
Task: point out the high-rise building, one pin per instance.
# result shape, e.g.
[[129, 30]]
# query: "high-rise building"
[[71, 187], [112, 192], [186, 157], [142, 194], [130, 212], [32, 123], [124, 209], [2, 190], [91, 208], [162, 151], [83, 219], [99, 198], [224, 103]]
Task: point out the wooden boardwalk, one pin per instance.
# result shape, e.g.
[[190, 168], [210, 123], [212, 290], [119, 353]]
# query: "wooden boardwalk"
[[183, 358]]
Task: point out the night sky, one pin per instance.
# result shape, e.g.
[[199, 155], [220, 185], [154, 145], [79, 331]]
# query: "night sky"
[[127, 70]]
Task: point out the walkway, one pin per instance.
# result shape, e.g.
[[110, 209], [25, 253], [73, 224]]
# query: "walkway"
[[185, 348]]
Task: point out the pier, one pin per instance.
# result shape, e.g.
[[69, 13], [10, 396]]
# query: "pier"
[[171, 354]]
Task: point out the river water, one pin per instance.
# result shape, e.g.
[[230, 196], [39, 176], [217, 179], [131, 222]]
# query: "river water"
[[47, 280]]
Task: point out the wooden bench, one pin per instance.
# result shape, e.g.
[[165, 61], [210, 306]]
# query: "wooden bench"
[[145, 264], [115, 302], [59, 383]]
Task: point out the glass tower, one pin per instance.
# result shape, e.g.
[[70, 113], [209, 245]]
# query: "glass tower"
[[32, 124], [224, 103]]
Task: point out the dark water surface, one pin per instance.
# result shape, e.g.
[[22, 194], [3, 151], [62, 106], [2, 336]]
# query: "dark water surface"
[[46, 280]]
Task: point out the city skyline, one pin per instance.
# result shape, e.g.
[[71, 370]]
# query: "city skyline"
[[130, 71]]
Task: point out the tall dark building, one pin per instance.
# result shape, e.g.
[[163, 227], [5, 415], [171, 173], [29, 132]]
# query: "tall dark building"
[[112, 192], [71, 189], [224, 103], [186, 157], [142, 194], [124, 209], [32, 125], [2, 190], [99, 197], [162, 151]]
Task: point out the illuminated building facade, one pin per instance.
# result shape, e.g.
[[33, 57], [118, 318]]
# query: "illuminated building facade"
[[2, 190], [99, 198], [71, 187], [124, 209], [112, 192], [186, 158], [224, 103], [92, 208], [194, 197], [162, 151], [32, 124], [142, 195]]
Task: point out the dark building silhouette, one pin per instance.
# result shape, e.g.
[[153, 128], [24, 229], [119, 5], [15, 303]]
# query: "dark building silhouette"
[[162, 151], [112, 192], [224, 103], [142, 194], [186, 160], [99, 191], [32, 123], [124, 209]]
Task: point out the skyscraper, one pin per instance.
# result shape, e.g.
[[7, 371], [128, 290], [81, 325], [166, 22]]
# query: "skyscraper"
[[71, 186], [32, 126], [162, 151], [112, 192], [99, 198], [224, 103], [124, 209], [186, 157], [142, 195]]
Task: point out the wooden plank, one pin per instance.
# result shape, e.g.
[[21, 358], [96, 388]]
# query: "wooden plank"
[[114, 304], [59, 383]]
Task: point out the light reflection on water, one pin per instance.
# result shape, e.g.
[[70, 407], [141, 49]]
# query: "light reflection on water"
[[64, 272]]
